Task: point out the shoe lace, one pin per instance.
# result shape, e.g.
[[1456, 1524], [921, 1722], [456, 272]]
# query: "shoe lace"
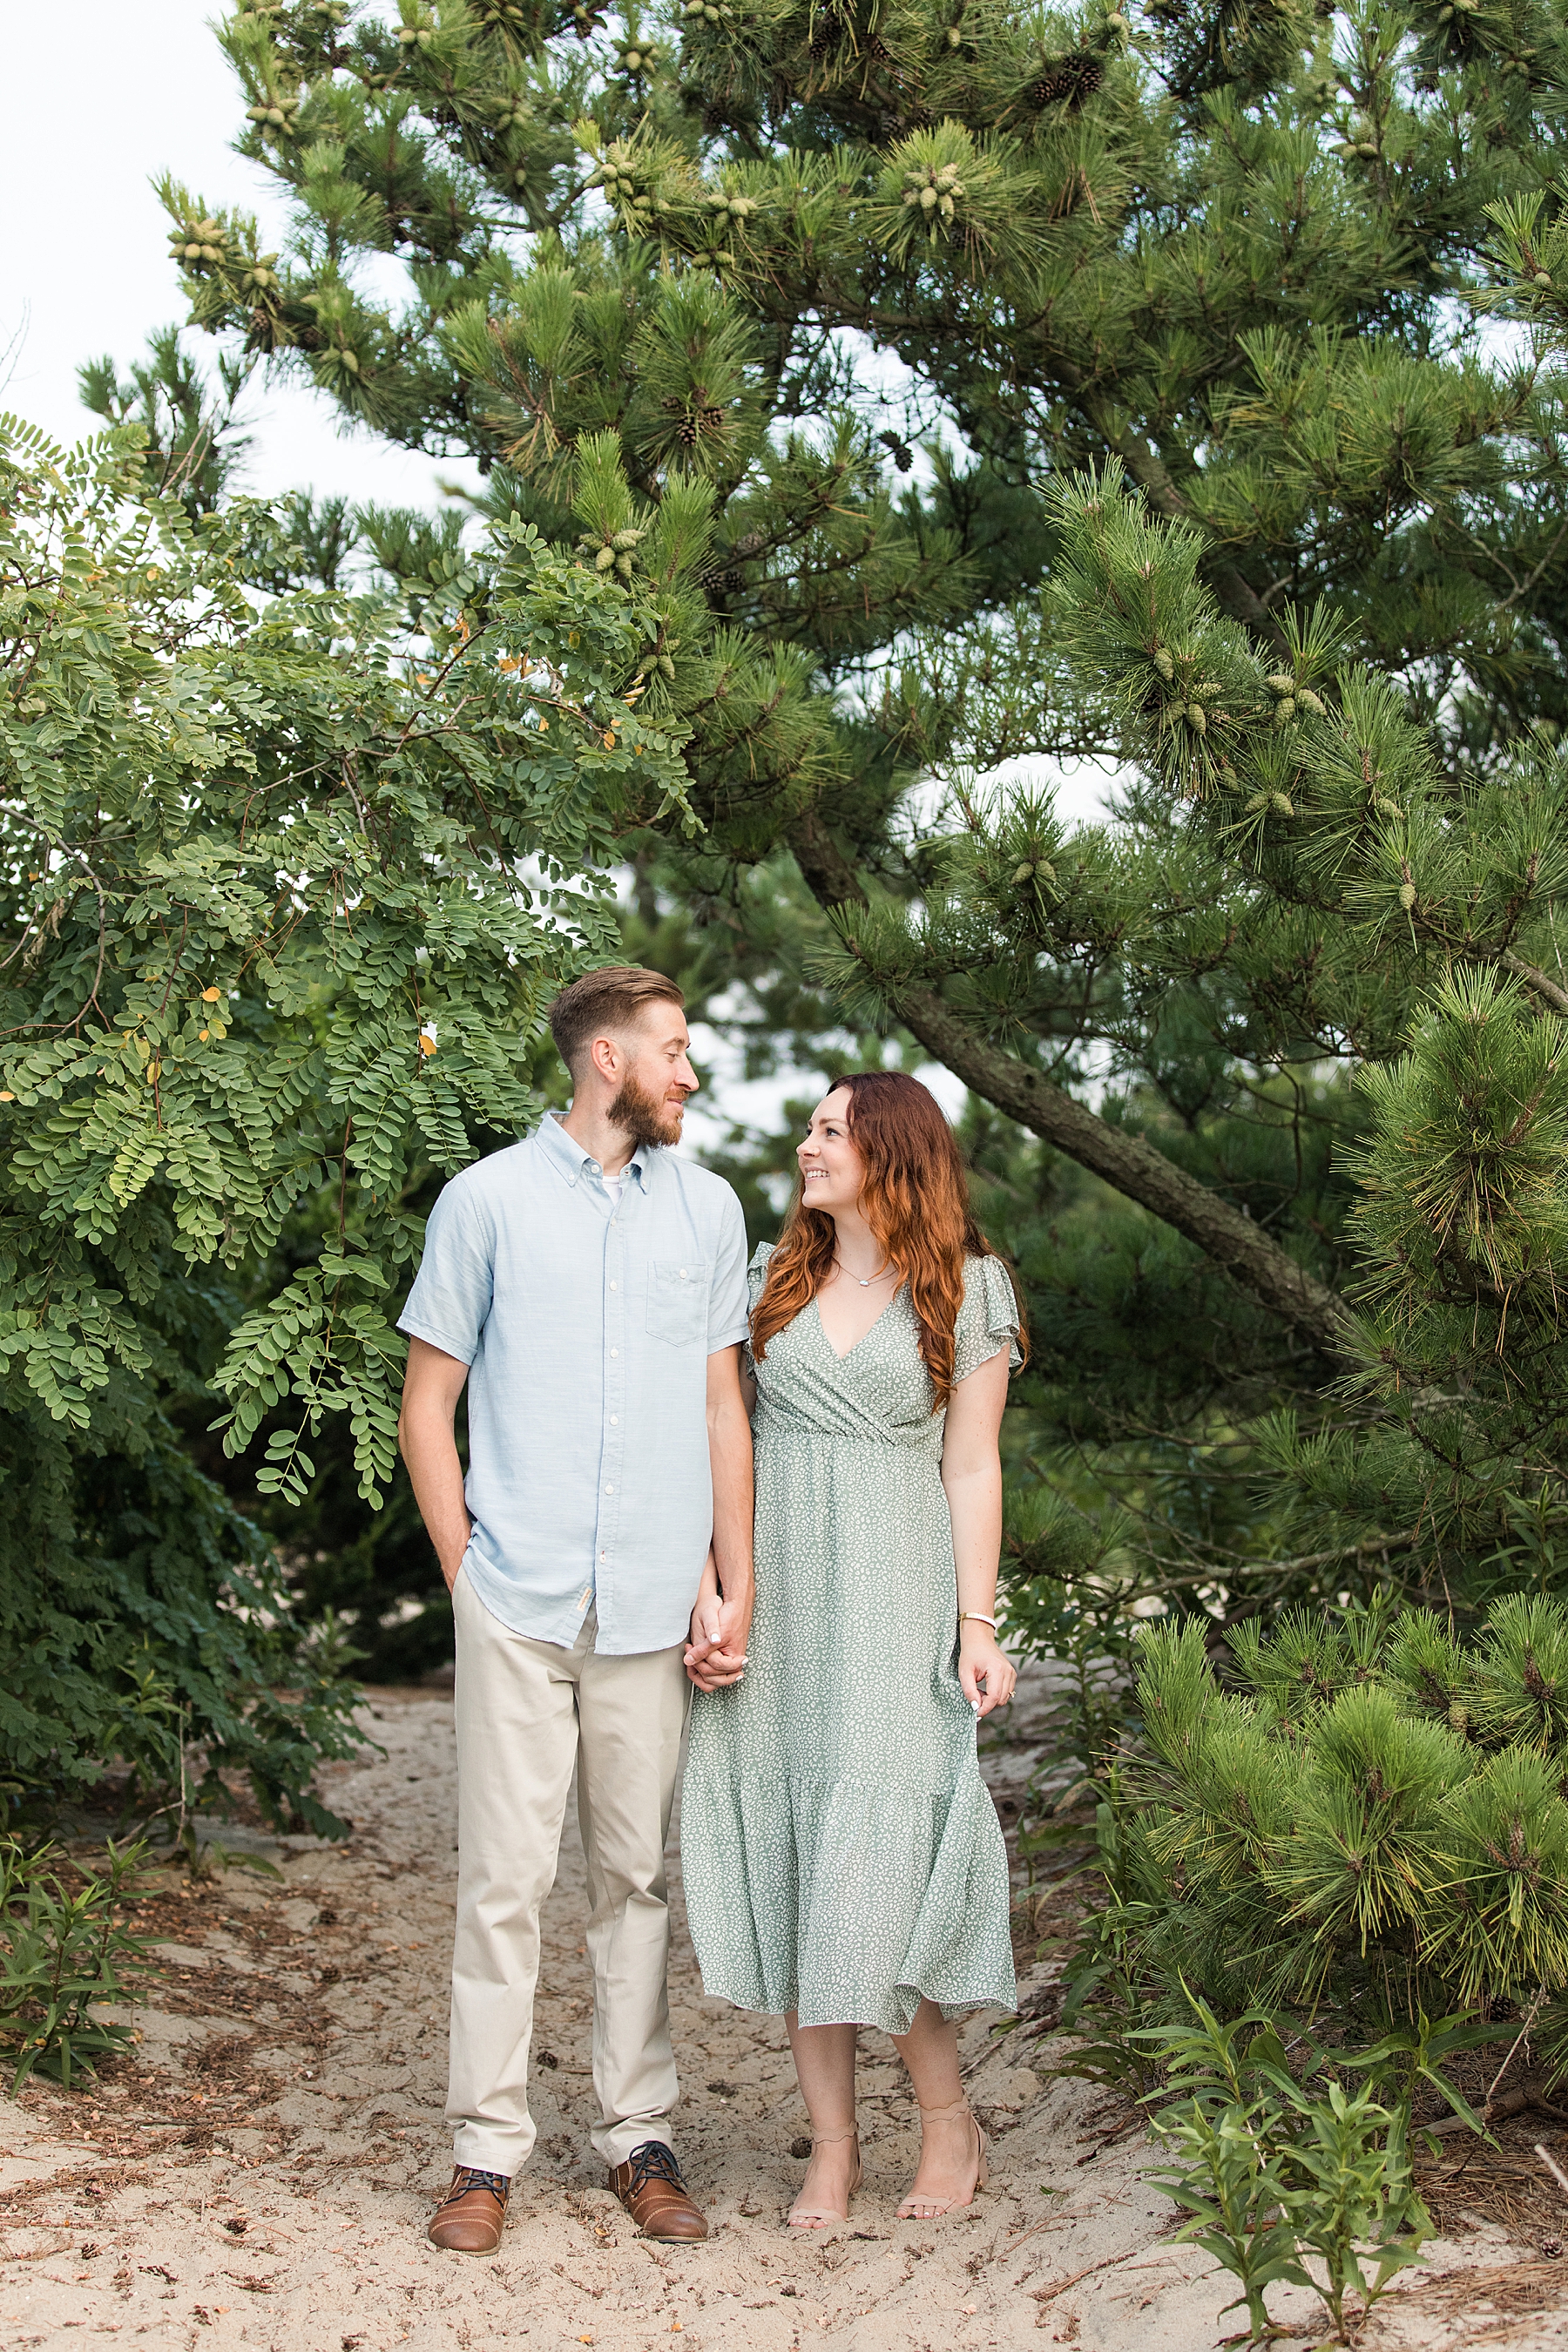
[[655, 2161], [467, 2178]]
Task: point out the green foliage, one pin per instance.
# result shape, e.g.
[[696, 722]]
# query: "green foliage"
[[1371, 1826], [62, 1949], [1275, 2179], [144, 1622], [288, 892]]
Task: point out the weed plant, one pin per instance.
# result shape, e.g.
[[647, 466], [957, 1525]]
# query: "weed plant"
[[1281, 2186], [63, 1951]]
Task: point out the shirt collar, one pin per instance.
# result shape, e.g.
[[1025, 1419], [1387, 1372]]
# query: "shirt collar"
[[570, 1158]]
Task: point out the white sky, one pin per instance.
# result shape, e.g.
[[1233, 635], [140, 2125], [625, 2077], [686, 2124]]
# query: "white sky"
[[102, 98]]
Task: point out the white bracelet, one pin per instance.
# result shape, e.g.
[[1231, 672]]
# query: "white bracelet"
[[977, 1616]]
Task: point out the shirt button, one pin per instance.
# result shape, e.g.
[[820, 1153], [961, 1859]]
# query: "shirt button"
[[683, 1273], [614, 1421], [615, 1351], [603, 1555], [614, 1285], [609, 1490]]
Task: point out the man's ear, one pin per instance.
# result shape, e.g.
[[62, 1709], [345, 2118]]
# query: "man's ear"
[[607, 1059]]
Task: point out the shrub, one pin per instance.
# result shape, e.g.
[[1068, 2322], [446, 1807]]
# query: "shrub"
[[1371, 1826], [288, 884]]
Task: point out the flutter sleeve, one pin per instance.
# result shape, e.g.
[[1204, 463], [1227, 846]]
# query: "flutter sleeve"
[[756, 1275], [987, 1320]]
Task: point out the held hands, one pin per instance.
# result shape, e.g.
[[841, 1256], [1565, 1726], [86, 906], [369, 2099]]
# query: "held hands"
[[721, 1627], [986, 1676]]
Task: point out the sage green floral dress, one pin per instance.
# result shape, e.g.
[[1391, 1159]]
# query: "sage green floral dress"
[[840, 1851]]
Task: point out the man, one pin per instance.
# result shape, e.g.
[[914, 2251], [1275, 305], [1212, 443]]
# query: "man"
[[590, 1286]]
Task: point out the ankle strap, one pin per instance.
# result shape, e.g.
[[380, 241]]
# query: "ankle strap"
[[948, 2115], [831, 2140]]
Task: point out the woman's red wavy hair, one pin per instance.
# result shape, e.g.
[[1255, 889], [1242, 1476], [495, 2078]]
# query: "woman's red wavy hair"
[[915, 1198]]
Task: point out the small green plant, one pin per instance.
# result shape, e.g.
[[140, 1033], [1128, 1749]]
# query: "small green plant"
[[62, 1950], [1418, 2053], [156, 1739], [1282, 2187], [330, 1646], [1358, 2208], [1106, 1997]]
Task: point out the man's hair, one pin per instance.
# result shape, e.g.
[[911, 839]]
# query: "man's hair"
[[615, 998]]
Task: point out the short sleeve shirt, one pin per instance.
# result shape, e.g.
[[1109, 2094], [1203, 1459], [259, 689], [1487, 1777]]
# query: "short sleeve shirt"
[[586, 1324]]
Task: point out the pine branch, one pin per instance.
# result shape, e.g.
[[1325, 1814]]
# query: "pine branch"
[[1148, 469], [1236, 1243], [1534, 978]]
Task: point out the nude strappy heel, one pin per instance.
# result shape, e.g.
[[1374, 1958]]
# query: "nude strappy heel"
[[931, 2207], [817, 2217]]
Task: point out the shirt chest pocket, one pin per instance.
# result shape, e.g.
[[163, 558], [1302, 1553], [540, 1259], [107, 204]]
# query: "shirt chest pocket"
[[677, 1301]]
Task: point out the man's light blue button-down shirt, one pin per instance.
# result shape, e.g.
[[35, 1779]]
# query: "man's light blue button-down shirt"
[[587, 1327]]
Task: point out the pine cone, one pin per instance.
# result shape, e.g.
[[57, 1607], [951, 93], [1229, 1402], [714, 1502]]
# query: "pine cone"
[[827, 34], [1066, 81]]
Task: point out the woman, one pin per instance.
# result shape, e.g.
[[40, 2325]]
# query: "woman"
[[842, 1857]]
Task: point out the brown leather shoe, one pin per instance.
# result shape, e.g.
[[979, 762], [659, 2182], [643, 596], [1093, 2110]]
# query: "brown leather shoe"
[[651, 2187], [471, 2215]]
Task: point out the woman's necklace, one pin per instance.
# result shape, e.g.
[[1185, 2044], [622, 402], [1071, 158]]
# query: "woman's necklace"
[[865, 1280]]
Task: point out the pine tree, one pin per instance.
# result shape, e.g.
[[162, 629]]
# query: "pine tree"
[[1190, 311], [1337, 1837]]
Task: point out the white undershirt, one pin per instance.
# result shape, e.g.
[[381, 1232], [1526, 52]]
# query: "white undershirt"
[[612, 1185]]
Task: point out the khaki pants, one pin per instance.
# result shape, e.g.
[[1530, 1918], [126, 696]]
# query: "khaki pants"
[[527, 1712]]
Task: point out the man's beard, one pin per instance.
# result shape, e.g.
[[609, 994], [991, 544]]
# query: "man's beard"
[[644, 1118]]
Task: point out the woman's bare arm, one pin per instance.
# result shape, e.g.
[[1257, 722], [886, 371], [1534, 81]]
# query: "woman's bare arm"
[[971, 1480]]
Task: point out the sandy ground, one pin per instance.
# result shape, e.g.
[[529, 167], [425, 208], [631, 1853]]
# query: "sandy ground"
[[262, 2172]]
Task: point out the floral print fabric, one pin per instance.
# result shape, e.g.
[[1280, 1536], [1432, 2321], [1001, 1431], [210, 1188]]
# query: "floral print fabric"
[[841, 1853]]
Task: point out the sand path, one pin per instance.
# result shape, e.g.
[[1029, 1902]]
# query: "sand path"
[[262, 2172]]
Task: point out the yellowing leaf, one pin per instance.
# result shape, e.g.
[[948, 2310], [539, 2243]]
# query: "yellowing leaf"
[[212, 995], [427, 1045]]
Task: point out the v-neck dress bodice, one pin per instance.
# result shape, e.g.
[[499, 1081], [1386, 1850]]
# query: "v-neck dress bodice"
[[841, 1854]]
